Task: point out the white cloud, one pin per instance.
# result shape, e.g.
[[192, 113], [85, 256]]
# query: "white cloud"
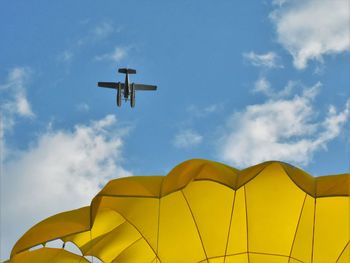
[[65, 56], [262, 85], [187, 139], [97, 33], [62, 170], [279, 2], [311, 29], [83, 107], [267, 60], [280, 129], [117, 55], [200, 112], [103, 30], [14, 102]]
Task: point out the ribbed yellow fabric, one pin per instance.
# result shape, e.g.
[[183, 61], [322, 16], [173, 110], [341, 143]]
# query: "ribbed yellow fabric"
[[204, 211]]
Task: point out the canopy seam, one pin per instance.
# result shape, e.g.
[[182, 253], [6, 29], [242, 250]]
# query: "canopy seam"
[[194, 221], [296, 230]]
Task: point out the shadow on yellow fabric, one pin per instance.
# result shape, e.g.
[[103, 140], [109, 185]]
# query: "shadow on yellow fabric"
[[205, 211]]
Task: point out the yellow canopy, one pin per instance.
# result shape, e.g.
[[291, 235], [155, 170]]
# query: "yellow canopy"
[[204, 211], [44, 255]]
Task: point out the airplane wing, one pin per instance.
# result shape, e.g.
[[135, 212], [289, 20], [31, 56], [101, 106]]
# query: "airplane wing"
[[144, 87], [111, 85]]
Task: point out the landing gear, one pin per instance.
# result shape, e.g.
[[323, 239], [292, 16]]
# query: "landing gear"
[[132, 96], [119, 95]]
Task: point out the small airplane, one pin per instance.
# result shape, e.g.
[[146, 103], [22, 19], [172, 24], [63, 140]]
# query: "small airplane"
[[127, 88]]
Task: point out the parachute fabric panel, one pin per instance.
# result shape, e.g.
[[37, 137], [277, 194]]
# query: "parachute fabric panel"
[[44, 255], [60, 225], [204, 211]]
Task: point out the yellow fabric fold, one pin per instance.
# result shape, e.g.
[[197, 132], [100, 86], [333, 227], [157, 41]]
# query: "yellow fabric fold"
[[204, 211]]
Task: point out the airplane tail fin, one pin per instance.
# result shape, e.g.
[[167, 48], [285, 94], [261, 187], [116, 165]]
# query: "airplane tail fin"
[[127, 71]]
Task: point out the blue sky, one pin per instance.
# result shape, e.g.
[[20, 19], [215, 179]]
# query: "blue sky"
[[239, 82]]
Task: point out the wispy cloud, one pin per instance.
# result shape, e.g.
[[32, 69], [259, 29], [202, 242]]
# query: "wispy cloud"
[[279, 2], [65, 56], [83, 107], [199, 112], [103, 30], [63, 169], [263, 86], [117, 55], [187, 139], [98, 32], [268, 60], [311, 29], [92, 36], [280, 129], [14, 102]]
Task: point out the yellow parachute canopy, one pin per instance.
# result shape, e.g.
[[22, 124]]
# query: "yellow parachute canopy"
[[204, 211]]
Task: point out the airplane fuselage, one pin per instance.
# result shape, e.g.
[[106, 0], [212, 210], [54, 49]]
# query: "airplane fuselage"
[[126, 87], [126, 90]]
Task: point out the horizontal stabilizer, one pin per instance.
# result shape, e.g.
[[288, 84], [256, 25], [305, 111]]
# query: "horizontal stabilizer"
[[144, 87], [111, 85], [127, 71]]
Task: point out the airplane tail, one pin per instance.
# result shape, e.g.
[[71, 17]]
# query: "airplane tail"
[[127, 71]]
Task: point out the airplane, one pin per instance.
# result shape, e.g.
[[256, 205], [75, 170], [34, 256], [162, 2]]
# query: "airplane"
[[128, 89]]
